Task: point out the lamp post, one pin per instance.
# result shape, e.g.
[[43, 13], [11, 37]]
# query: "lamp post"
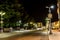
[[1, 13], [50, 17]]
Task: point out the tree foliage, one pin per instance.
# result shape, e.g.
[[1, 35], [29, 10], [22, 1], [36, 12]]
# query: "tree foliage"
[[13, 11]]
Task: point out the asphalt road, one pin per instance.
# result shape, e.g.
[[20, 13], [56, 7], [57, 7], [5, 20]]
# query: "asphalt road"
[[28, 36]]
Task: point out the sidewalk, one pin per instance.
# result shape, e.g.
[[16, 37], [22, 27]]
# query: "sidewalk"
[[5, 35], [55, 36]]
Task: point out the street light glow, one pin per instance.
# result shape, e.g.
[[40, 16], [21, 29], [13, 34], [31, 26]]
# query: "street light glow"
[[52, 6], [1, 13]]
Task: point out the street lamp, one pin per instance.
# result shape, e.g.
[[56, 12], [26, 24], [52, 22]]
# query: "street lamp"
[[51, 7], [1, 13], [49, 18]]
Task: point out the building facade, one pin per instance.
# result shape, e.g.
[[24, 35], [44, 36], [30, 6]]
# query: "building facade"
[[58, 11]]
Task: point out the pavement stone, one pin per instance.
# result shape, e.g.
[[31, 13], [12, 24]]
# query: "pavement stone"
[[54, 36]]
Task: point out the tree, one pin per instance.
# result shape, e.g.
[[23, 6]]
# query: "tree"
[[13, 11]]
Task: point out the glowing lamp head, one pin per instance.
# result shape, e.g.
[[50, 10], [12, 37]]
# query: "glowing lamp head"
[[52, 6]]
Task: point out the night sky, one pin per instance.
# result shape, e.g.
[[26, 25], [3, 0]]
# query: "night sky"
[[37, 9]]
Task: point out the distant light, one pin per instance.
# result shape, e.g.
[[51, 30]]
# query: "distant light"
[[31, 22]]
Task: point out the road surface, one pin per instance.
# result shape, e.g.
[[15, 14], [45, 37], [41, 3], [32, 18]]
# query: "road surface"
[[28, 36]]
